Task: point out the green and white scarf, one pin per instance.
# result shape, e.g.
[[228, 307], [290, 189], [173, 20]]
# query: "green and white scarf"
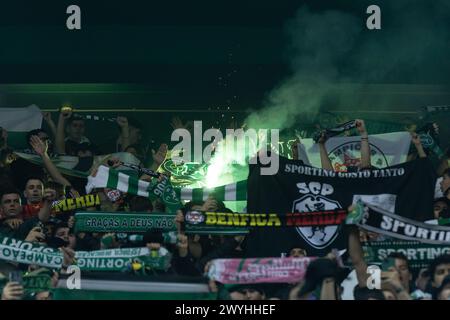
[[19, 251], [142, 222], [122, 259], [123, 222], [419, 254], [113, 179], [236, 191]]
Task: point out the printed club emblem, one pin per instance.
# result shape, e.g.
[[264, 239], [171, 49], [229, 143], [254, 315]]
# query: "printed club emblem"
[[346, 157], [194, 217], [318, 237]]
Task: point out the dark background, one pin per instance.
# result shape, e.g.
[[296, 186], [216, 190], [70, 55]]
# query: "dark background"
[[200, 59]]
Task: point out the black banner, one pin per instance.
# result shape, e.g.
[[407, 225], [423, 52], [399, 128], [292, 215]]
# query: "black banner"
[[407, 189]]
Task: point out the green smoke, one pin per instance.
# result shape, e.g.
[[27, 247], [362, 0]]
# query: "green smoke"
[[333, 57]]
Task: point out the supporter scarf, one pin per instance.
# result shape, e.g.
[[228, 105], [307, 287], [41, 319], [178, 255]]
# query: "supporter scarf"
[[122, 259], [134, 222], [69, 204], [263, 270], [29, 253], [234, 219], [123, 222], [19, 251], [419, 254], [81, 167], [110, 178], [392, 225], [331, 132]]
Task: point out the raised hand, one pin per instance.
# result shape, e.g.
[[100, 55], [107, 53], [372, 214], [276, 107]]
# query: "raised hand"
[[35, 235], [47, 116], [323, 138], [178, 124], [415, 138], [68, 256], [38, 145], [210, 205], [179, 219], [361, 127], [160, 155], [4, 134], [66, 113], [122, 122], [294, 149], [182, 245], [12, 291], [49, 194], [14, 223]]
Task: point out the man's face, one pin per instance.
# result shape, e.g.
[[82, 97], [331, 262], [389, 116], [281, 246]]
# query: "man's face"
[[62, 233], [236, 295], [405, 276], [75, 130], [34, 191], [252, 294], [10, 205], [438, 208], [442, 270], [297, 253], [445, 183]]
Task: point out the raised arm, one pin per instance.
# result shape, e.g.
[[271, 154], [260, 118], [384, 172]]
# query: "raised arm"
[[60, 146], [3, 138], [365, 148], [324, 159], [41, 149], [48, 119], [49, 197], [357, 255], [418, 144], [158, 159], [124, 137], [328, 291]]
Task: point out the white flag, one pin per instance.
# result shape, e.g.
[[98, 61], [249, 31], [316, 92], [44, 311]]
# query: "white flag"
[[386, 150], [21, 119]]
